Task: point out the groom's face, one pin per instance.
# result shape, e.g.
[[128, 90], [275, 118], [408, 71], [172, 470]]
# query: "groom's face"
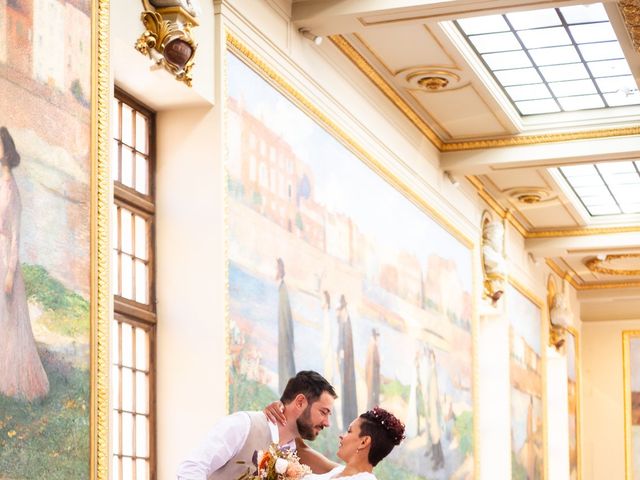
[[315, 417]]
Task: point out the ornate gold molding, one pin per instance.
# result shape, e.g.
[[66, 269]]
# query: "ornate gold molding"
[[596, 265], [630, 10], [100, 252], [512, 141], [588, 286]]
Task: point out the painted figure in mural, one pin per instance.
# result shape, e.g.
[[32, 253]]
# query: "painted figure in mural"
[[372, 371], [327, 337], [286, 363], [347, 366], [226, 453], [21, 373], [433, 408], [527, 454], [493, 259]]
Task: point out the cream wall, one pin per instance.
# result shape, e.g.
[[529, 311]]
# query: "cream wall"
[[191, 279], [603, 395]]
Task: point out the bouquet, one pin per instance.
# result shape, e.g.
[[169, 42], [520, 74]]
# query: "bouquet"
[[276, 463]]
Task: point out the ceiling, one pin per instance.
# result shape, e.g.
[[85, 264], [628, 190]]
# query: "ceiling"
[[401, 44]]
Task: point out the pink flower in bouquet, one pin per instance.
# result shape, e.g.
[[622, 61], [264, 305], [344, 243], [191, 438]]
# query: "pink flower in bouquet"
[[295, 471]]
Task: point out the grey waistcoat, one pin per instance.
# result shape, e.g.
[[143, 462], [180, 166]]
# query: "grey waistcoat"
[[259, 438]]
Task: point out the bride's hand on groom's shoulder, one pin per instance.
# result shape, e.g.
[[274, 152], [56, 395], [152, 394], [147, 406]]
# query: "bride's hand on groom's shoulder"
[[275, 413]]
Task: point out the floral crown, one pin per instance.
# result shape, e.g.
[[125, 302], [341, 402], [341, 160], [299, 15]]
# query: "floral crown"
[[393, 426]]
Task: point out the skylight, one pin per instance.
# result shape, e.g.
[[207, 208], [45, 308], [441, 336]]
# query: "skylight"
[[611, 188], [554, 60]]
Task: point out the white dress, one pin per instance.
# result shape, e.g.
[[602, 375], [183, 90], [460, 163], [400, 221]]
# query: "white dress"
[[337, 471]]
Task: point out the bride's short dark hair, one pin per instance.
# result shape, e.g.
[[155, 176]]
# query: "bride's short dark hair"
[[385, 431]]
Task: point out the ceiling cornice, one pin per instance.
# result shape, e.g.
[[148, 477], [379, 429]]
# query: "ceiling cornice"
[[587, 286], [390, 92]]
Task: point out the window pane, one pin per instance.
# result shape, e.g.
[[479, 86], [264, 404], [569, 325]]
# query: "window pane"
[[593, 32], [620, 99], [141, 237], [573, 87], [594, 191], [586, 180], [115, 468], [127, 434], [127, 468], [127, 344], [630, 208], [611, 168], [115, 386], [545, 37], [604, 210], [554, 55], [127, 167], [487, 24], [115, 273], [142, 349], [142, 392], [601, 51], [495, 42], [142, 436], [115, 433], [114, 160], [534, 19], [127, 276], [594, 12], [581, 102], [115, 118], [141, 282], [609, 68], [142, 180], [141, 133], [579, 170], [556, 73], [115, 342], [531, 107], [518, 77], [507, 60], [127, 389], [126, 242], [529, 92], [127, 125], [142, 469]]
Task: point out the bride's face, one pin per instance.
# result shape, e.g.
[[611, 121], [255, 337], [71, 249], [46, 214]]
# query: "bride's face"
[[351, 441]]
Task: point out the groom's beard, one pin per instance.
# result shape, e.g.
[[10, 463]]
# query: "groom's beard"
[[305, 428]]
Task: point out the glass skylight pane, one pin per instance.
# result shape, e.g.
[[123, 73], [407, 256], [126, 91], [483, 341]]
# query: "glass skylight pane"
[[545, 37], [585, 181], [495, 42], [594, 12], [609, 68], [507, 60], [518, 77], [533, 107], [630, 208], [488, 24], [592, 32], [557, 73], [581, 102], [579, 170], [604, 210], [620, 99], [573, 87], [625, 179], [625, 193], [528, 92], [611, 168], [625, 83], [554, 55], [601, 51], [534, 19], [596, 191]]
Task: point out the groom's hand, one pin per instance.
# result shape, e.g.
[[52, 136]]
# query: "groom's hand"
[[275, 413]]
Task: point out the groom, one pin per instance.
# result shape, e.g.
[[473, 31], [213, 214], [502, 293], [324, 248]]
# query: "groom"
[[228, 449]]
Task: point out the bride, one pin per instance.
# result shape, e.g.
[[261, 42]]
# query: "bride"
[[369, 439]]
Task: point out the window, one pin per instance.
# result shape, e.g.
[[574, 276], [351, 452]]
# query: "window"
[[133, 327], [555, 59]]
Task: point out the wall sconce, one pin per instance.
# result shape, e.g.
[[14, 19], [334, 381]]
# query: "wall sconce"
[[559, 314], [494, 264], [167, 39], [310, 36]]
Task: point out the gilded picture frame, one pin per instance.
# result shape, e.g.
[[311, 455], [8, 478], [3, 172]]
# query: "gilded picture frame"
[[236, 333], [631, 369], [539, 444], [572, 348], [56, 299]]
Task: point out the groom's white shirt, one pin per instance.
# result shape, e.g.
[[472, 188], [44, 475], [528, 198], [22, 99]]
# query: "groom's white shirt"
[[223, 442]]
